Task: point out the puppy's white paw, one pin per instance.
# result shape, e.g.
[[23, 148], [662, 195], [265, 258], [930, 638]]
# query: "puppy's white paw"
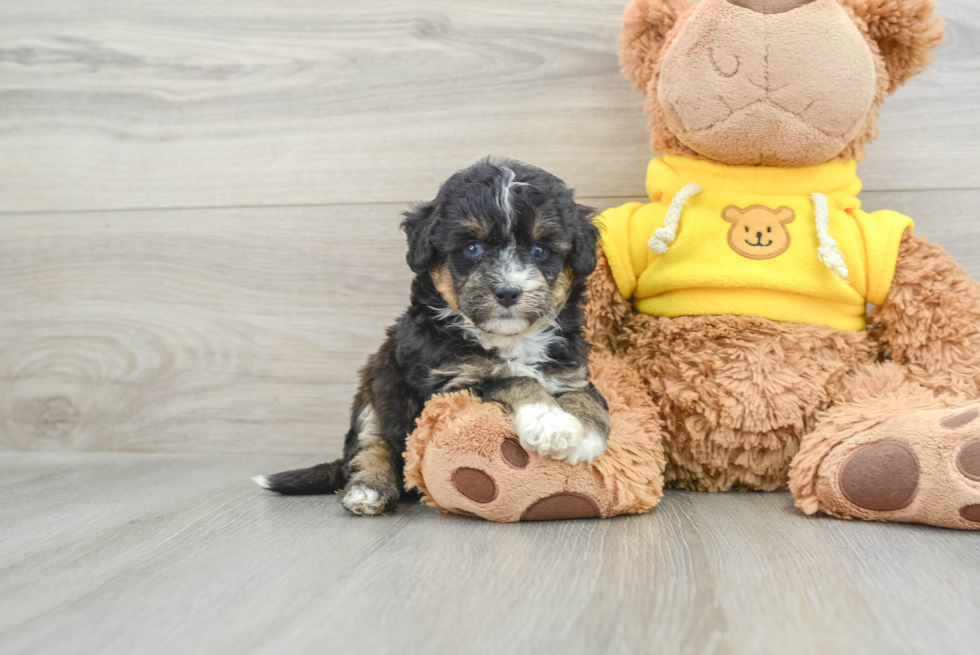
[[363, 500], [591, 447], [548, 429]]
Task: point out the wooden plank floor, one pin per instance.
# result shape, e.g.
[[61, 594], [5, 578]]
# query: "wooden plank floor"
[[127, 553]]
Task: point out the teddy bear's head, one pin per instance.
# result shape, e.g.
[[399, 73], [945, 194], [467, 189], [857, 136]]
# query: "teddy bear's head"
[[772, 82]]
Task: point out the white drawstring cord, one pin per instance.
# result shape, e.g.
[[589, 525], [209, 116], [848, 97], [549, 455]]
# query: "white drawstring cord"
[[662, 238], [828, 251]]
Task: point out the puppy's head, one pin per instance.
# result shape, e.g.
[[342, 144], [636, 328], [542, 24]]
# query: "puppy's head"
[[504, 243]]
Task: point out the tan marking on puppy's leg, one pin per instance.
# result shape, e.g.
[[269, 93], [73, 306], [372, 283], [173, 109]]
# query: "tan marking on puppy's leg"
[[372, 464], [562, 380], [373, 483], [523, 391], [442, 278], [586, 407], [467, 373]]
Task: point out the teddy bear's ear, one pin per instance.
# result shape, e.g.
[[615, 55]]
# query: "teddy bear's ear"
[[645, 26], [906, 31]]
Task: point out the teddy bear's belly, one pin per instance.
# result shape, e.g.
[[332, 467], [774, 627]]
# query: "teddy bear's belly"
[[737, 393]]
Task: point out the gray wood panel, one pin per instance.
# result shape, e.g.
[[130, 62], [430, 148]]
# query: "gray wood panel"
[[232, 330], [192, 330], [121, 104], [117, 553]]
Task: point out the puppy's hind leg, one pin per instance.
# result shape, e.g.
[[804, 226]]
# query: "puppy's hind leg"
[[373, 485]]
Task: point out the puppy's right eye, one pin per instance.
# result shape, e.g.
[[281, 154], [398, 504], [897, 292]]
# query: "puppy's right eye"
[[473, 250]]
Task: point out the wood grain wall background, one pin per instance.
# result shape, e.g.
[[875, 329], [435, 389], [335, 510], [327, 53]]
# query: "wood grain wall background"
[[199, 199]]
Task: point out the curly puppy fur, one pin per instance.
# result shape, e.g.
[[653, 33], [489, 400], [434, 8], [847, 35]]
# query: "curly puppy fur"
[[501, 258]]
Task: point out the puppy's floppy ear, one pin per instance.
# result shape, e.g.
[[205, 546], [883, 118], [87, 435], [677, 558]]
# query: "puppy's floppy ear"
[[906, 31], [645, 27], [583, 257], [418, 225]]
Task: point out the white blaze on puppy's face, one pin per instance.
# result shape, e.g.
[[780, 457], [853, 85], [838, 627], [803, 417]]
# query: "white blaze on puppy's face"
[[505, 199]]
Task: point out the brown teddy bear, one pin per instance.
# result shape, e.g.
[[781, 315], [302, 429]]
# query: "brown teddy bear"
[[729, 315]]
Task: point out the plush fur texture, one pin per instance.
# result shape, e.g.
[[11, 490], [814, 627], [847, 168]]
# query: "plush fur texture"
[[886, 417], [931, 320]]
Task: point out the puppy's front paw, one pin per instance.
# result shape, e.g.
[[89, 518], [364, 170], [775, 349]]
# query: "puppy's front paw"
[[363, 500], [548, 429], [591, 447]]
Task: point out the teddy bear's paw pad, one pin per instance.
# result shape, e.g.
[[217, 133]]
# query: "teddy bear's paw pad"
[[968, 460], [475, 484], [960, 419], [881, 477], [562, 506], [971, 513], [512, 453]]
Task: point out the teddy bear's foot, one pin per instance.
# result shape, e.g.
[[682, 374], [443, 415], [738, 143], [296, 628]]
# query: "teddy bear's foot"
[[466, 457], [498, 490], [490, 474], [922, 467]]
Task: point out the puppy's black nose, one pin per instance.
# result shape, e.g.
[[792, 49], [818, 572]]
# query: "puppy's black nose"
[[759, 235], [507, 296]]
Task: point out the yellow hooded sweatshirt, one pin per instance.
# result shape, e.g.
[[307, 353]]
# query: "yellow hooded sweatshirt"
[[788, 244]]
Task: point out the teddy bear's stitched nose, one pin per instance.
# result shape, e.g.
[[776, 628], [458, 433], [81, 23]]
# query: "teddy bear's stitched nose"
[[770, 6]]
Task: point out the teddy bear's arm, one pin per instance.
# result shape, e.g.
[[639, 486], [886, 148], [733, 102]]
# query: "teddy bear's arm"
[[930, 319], [607, 310]]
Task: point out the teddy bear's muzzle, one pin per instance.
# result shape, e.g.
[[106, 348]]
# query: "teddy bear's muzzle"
[[770, 6], [791, 88]]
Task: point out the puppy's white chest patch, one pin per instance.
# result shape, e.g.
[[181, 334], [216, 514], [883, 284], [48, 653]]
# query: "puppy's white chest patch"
[[521, 350], [523, 355]]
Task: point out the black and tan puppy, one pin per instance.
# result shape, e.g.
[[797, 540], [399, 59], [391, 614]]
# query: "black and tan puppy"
[[501, 257]]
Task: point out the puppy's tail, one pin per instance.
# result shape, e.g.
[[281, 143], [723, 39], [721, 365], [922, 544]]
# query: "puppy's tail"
[[320, 479]]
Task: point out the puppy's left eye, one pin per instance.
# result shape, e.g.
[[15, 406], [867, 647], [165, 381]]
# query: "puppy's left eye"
[[540, 253], [473, 250]]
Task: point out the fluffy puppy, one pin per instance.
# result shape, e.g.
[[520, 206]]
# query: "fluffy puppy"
[[500, 257]]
